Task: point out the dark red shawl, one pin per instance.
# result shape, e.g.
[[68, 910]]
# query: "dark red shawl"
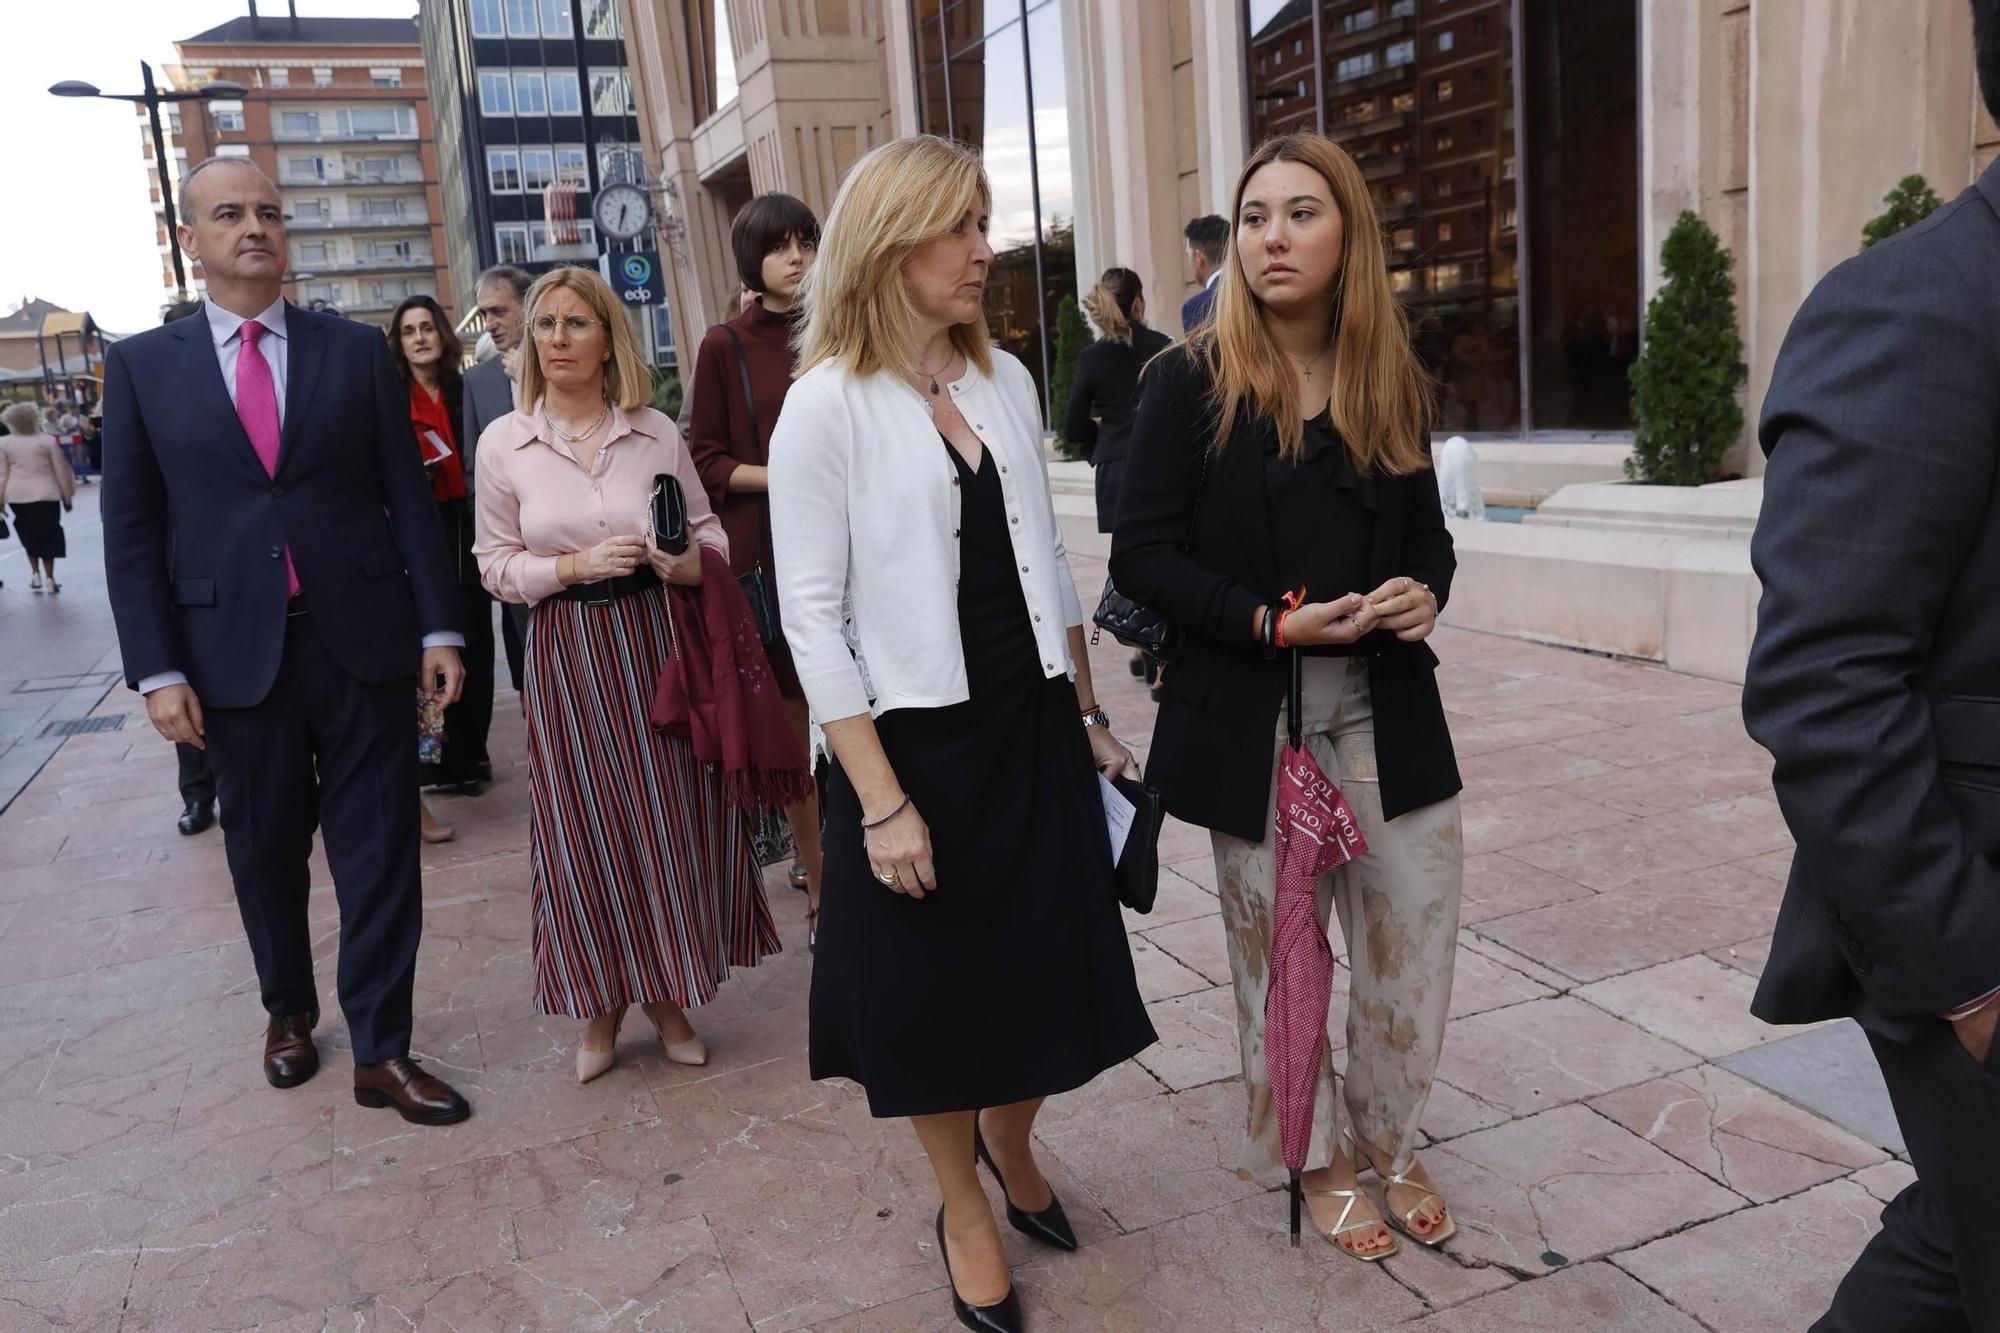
[[718, 691]]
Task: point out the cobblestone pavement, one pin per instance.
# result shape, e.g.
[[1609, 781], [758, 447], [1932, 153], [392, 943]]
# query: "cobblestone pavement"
[[1608, 1171]]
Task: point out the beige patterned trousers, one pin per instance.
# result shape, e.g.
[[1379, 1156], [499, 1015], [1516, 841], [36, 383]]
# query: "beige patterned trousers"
[[1398, 908]]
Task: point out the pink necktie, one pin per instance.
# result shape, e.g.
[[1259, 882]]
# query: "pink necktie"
[[257, 409]]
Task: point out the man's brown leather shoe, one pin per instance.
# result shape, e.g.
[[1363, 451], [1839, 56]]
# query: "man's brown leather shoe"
[[290, 1058], [420, 1098]]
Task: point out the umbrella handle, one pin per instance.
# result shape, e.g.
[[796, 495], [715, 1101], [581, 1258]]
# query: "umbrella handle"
[[1295, 700], [1298, 1198]]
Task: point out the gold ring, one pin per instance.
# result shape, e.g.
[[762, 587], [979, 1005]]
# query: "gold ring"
[[892, 879]]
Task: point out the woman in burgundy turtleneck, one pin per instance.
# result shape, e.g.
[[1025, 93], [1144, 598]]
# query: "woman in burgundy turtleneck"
[[774, 239]]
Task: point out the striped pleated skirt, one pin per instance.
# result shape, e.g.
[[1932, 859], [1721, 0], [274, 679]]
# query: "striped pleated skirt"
[[645, 883]]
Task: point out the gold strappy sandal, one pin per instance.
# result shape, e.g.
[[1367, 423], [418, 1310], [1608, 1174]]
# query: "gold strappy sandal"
[[1342, 1226], [1403, 1221]]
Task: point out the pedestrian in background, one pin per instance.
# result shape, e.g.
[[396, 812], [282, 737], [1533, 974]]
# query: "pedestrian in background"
[[1207, 243], [646, 887], [1291, 430], [742, 374], [1871, 682], [489, 396], [972, 960], [429, 356], [1105, 395], [37, 481]]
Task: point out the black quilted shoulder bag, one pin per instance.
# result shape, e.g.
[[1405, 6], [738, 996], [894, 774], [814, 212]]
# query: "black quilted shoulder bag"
[[1141, 627]]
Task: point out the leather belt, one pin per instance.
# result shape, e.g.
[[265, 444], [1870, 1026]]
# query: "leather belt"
[[606, 591]]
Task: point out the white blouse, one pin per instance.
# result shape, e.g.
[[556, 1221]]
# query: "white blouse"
[[865, 521]]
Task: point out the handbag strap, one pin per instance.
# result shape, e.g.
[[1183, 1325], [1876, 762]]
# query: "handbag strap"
[[756, 435], [1200, 488]]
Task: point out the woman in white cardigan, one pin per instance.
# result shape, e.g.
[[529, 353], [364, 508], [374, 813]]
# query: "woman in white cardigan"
[[971, 960]]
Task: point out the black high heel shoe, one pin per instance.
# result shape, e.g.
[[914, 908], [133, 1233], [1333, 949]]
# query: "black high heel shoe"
[[1003, 1316], [1050, 1226]]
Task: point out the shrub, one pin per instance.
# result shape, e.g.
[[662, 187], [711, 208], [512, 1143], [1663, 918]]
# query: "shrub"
[[1072, 336], [1909, 203], [1685, 381], [667, 391]]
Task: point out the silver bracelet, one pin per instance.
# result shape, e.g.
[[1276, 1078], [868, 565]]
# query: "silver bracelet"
[[1096, 718], [867, 827]]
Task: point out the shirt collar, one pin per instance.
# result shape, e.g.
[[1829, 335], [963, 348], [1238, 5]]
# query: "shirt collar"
[[529, 426], [224, 325], [1212, 278]]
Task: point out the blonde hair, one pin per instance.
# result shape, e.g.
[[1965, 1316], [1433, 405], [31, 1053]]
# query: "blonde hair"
[[1110, 303], [858, 310], [628, 380], [22, 419], [1382, 398]]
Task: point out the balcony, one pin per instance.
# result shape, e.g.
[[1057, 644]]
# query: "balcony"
[[281, 135], [1380, 166], [1381, 29], [1363, 129], [412, 174], [402, 221], [363, 265]]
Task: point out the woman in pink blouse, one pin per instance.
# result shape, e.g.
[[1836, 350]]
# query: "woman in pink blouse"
[[646, 888]]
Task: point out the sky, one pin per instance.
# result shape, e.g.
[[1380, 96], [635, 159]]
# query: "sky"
[[79, 231]]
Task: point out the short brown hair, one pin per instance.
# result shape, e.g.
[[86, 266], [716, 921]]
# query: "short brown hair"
[[628, 380], [766, 223]]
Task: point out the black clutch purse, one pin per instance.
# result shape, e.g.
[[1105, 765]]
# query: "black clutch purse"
[[1138, 869], [1141, 627], [669, 514]]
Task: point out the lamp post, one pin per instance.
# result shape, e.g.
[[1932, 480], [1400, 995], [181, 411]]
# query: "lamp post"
[[151, 99]]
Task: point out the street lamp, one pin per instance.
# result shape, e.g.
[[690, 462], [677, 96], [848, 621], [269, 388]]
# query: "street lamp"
[[151, 99]]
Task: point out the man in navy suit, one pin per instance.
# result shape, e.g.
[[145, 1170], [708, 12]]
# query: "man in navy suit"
[[1207, 244], [279, 577]]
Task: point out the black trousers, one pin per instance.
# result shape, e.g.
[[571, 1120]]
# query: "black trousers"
[[514, 633], [197, 778], [1935, 1265], [326, 750], [468, 721]]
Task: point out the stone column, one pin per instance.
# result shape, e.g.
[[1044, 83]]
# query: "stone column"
[[811, 94]]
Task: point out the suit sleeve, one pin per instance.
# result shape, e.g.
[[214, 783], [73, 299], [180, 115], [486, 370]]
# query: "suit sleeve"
[[1156, 499], [1881, 425], [1427, 550], [407, 495], [710, 400], [1078, 426], [136, 522]]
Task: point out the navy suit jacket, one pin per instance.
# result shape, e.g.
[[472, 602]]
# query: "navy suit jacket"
[[1195, 309], [195, 529]]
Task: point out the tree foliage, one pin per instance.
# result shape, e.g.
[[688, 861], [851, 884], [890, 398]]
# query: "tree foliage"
[[1072, 336], [1909, 203], [1685, 381]]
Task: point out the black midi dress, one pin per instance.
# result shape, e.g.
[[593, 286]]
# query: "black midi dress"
[[1013, 980]]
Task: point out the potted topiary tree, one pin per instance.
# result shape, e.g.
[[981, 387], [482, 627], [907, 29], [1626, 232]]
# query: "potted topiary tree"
[[1072, 336], [1685, 381], [1909, 203]]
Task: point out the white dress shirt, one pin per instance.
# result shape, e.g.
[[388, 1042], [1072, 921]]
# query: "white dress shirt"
[[865, 509], [226, 328]]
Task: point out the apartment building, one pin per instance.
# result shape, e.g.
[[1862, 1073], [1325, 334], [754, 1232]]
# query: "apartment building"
[[337, 113]]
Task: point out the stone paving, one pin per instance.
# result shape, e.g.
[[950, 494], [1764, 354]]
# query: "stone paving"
[[1612, 1160]]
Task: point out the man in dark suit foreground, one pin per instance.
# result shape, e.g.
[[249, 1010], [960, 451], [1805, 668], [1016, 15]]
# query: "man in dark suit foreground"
[[1874, 681], [277, 573]]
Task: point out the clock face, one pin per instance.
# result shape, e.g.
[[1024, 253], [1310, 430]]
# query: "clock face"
[[622, 211]]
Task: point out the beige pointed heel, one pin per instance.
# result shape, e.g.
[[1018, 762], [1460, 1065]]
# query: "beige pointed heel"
[[592, 1064], [693, 1051]]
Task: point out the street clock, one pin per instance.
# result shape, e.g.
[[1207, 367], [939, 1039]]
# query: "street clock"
[[622, 211]]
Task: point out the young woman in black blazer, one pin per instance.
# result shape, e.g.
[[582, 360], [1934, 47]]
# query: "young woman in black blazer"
[[1105, 394], [1291, 429]]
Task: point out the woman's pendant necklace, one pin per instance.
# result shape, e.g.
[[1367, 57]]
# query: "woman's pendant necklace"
[[565, 436]]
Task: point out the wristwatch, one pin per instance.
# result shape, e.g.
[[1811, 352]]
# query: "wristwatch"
[[1096, 718]]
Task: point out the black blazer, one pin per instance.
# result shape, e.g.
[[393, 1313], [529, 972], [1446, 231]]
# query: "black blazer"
[[1211, 755], [1874, 678], [195, 529], [1107, 380]]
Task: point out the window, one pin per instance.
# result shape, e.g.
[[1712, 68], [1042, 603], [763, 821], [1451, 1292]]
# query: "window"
[[298, 125], [610, 92], [564, 97], [311, 210], [503, 170], [1479, 76], [542, 243], [1506, 168], [1355, 67], [537, 168], [1446, 276], [496, 93], [312, 252], [1399, 54], [1404, 238], [617, 162], [486, 20], [571, 166], [521, 19], [531, 94], [1475, 129], [1445, 41], [512, 243], [380, 122], [1404, 102], [1444, 232], [173, 123], [386, 77], [233, 150], [1479, 26], [227, 117], [1441, 186], [1510, 216], [328, 292], [381, 208], [1299, 46], [322, 76], [1441, 90], [1402, 195], [278, 78], [1401, 281], [390, 250], [555, 18], [600, 18], [305, 169], [1358, 20], [1441, 138], [1402, 9]]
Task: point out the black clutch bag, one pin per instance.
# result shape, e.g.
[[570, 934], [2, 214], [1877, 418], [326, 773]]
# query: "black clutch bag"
[[1138, 870], [669, 514], [1141, 627]]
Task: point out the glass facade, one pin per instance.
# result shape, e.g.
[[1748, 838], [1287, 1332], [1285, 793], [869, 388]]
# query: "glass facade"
[[1484, 168], [992, 78]]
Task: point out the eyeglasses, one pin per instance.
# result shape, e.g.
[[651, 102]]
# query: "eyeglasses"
[[577, 326]]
